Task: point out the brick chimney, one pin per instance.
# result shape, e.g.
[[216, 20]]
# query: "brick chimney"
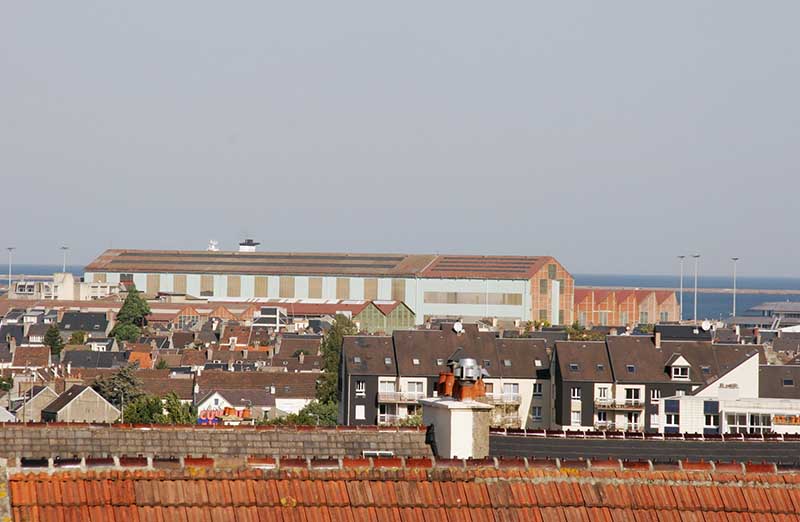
[[301, 357], [657, 338]]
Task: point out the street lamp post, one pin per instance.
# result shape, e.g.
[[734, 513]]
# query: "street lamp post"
[[735, 260], [681, 294], [10, 251], [696, 268], [64, 265]]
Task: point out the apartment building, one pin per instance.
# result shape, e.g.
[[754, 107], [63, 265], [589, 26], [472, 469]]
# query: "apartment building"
[[607, 307], [464, 287], [619, 383], [382, 378]]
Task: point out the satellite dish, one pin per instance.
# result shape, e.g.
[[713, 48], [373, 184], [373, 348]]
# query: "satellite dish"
[[458, 327], [213, 246], [706, 326]]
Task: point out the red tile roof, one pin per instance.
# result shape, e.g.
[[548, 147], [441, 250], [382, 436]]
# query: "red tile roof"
[[446, 494]]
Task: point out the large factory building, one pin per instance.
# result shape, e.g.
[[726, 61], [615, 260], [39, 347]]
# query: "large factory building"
[[457, 286]]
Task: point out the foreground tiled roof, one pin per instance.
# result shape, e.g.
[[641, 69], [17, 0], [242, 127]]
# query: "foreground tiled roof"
[[411, 494]]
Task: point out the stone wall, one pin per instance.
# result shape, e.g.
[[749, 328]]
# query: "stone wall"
[[42, 441]]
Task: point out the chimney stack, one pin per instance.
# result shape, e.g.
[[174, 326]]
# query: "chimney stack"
[[301, 357], [248, 245], [658, 340]]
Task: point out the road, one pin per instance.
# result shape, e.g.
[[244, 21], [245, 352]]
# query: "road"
[[656, 450]]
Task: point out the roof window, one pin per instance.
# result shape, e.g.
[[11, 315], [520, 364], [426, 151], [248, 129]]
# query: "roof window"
[[788, 383], [506, 362], [705, 369], [573, 367], [439, 362], [415, 361], [601, 367], [357, 359], [631, 368], [537, 363], [487, 363], [387, 361]]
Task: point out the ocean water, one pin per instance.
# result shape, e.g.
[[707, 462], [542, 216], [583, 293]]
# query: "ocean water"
[[709, 306]]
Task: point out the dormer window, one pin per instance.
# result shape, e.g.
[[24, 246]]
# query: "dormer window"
[[631, 368], [680, 373], [600, 367]]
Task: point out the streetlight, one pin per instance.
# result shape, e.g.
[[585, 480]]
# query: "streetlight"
[[64, 266], [696, 268], [734, 259], [122, 405], [10, 250], [680, 311]]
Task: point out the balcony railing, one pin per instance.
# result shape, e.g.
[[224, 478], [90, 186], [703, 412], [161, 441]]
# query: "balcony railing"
[[401, 396], [503, 398], [610, 404], [389, 418], [604, 425]]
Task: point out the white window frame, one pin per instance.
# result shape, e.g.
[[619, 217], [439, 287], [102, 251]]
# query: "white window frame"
[[361, 412], [655, 396], [575, 393], [575, 416], [680, 373], [712, 417], [534, 411], [361, 388], [602, 392], [672, 419]]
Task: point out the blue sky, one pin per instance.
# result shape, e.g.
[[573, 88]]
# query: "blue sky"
[[613, 136]]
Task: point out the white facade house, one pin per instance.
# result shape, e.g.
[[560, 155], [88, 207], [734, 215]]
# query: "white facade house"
[[737, 402]]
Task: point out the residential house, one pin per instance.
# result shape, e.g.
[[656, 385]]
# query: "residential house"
[[582, 377], [254, 404], [94, 324], [28, 408], [77, 359], [31, 357], [80, 403], [383, 378]]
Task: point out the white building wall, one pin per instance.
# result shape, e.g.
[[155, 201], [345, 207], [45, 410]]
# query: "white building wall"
[[220, 286], [140, 280], [329, 288], [193, 284], [273, 286], [291, 405], [385, 289], [166, 283], [356, 288], [745, 377], [112, 277], [301, 287], [248, 286], [88, 277]]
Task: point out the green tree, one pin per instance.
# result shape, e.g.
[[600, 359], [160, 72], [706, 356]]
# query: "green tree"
[[315, 413], [177, 412], [328, 383], [126, 332], [143, 410], [162, 364], [53, 340], [121, 384], [134, 310], [149, 409], [78, 337], [6, 383]]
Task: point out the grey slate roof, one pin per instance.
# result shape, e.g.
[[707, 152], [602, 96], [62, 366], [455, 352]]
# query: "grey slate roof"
[[83, 321], [90, 359]]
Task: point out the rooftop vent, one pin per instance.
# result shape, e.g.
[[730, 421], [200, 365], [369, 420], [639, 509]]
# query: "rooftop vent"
[[248, 245]]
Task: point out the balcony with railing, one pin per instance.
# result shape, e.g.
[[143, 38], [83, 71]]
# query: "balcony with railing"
[[621, 404], [396, 397], [503, 398], [604, 425], [389, 418]]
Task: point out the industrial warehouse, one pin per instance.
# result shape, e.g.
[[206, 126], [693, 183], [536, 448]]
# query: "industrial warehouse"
[[513, 288]]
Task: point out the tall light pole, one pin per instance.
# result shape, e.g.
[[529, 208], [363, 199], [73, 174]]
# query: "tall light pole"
[[64, 265], [734, 259], [680, 311], [696, 268], [10, 250]]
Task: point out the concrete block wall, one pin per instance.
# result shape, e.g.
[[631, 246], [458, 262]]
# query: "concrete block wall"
[[64, 441]]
